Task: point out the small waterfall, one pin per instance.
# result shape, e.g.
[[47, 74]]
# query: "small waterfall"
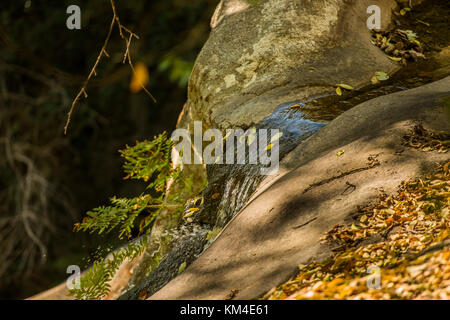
[[236, 183]]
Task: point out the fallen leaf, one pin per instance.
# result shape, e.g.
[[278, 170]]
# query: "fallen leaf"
[[381, 76], [423, 22], [182, 267], [345, 86], [374, 80], [187, 215], [227, 135]]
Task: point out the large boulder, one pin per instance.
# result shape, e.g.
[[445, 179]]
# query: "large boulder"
[[281, 227], [262, 54]]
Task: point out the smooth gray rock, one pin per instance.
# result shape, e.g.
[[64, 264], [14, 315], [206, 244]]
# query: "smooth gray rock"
[[262, 54]]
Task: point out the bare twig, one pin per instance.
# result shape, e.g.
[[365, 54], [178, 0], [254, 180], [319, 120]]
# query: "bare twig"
[[127, 58]]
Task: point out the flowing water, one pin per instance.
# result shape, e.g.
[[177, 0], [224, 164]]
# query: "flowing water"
[[236, 183]]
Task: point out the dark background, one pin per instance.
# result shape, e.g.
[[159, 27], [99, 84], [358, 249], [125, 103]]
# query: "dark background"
[[48, 180]]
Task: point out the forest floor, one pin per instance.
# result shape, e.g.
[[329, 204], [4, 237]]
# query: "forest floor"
[[396, 248]]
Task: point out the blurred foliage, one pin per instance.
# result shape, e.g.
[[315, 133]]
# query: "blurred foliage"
[[179, 69], [47, 179]]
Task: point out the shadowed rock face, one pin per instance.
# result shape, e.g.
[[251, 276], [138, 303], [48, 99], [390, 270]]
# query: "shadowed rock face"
[[272, 51], [186, 250]]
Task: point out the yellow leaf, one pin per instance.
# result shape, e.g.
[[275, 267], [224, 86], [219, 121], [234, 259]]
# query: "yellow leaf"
[[446, 166], [340, 153], [182, 267], [227, 135], [417, 42], [294, 106], [381, 76], [395, 58], [423, 22], [193, 209], [140, 77], [269, 147], [345, 86], [339, 91], [374, 80]]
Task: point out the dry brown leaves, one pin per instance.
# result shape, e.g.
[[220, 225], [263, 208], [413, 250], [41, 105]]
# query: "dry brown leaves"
[[403, 227], [420, 138], [399, 45]]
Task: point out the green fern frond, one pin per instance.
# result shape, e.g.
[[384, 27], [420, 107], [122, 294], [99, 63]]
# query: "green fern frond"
[[147, 161], [95, 282]]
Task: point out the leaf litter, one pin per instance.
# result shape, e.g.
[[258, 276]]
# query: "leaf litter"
[[406, 235]]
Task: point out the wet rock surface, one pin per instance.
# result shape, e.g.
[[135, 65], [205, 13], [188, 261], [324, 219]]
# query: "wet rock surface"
[[184, 252]]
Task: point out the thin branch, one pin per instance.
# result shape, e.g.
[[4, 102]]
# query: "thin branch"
[[127, 56], [103, 52]]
